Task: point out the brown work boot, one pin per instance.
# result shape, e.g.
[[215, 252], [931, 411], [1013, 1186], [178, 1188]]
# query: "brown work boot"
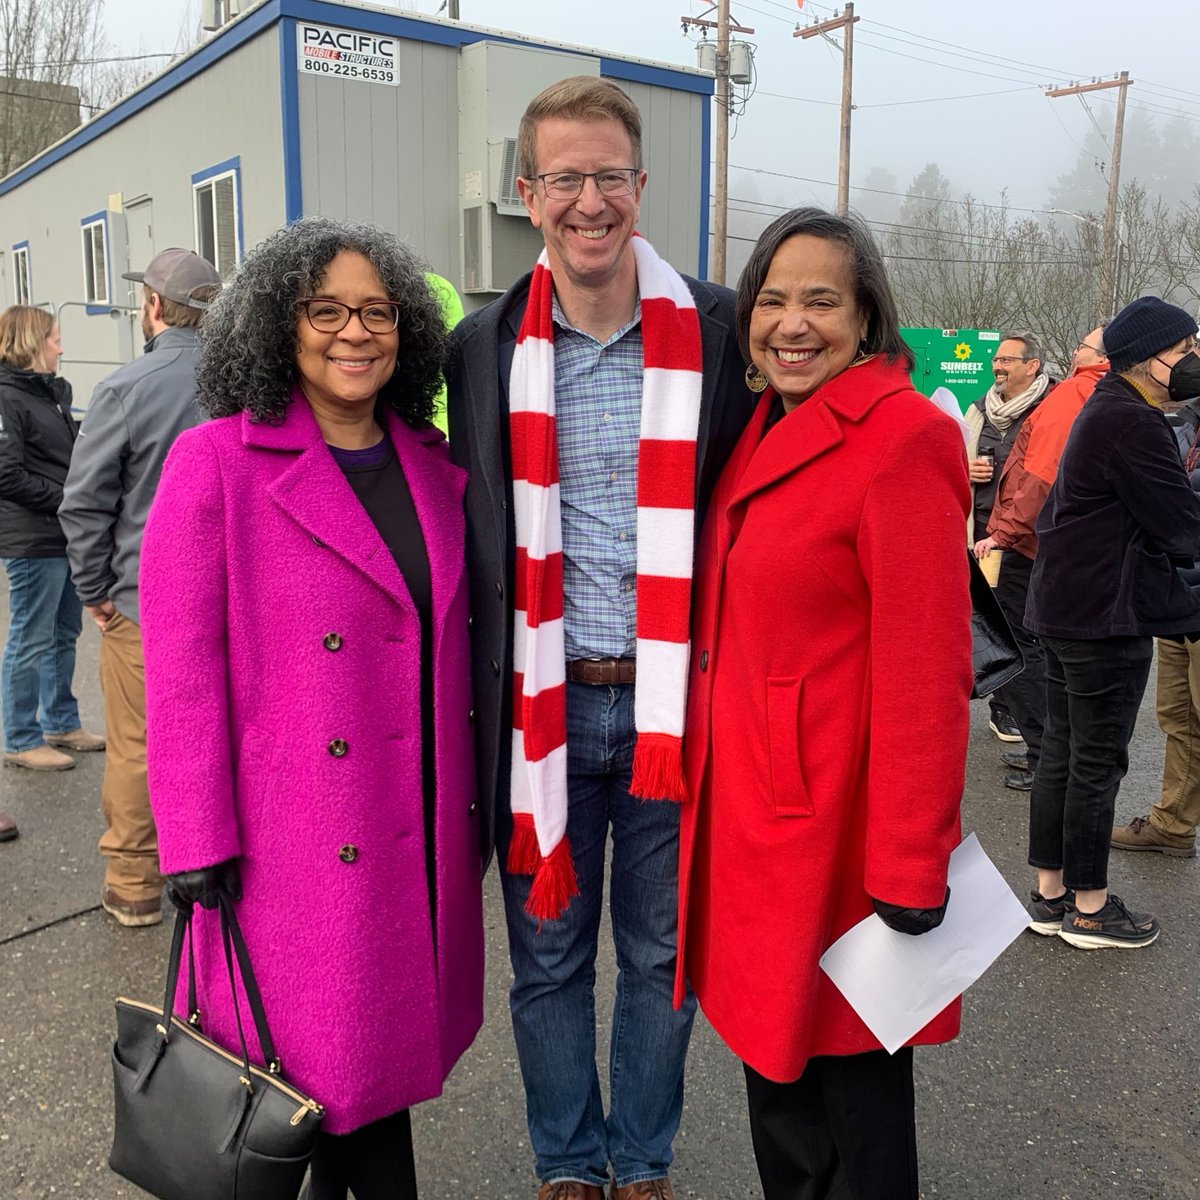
[[131, 913], [8, 828], [649, 1189], [569, 1189], [78, 740], [40, 758], [1140, 834]]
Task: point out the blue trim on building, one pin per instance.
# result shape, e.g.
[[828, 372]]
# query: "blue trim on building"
[[99, 218], [189, 68], [231, 166], [679, 81], [289, 110], [705, 186]]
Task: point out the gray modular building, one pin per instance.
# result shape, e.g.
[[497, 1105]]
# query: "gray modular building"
[[341, 109]]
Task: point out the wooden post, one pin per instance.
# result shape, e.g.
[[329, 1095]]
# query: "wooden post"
[[721, 181]]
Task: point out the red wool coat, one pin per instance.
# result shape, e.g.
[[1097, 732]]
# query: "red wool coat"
[[828, 708]]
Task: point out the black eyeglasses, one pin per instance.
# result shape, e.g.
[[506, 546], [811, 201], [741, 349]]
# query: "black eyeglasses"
[[1009, 358], [331, 316], [566, 185]]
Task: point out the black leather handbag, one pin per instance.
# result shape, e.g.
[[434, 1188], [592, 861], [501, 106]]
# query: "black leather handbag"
[[995, 655], [193, 1121]]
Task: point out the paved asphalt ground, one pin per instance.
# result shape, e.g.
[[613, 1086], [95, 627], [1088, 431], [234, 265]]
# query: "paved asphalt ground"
[[1077, 1074]]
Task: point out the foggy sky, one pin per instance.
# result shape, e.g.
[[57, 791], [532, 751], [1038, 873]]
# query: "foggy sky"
[[1020, 141]]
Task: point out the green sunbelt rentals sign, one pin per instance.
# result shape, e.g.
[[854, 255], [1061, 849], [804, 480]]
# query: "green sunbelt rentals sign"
[[958, 359]]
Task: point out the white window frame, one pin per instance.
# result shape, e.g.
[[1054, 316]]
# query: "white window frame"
[[204, 192], [21, 275], [96, 291]]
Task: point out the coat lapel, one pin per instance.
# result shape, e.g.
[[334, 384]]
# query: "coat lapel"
[[313, 492], [437, 488]]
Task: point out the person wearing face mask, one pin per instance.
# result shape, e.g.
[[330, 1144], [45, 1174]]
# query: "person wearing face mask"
[[996, 420], [1170, 826], [1120, 521], [37, 432]]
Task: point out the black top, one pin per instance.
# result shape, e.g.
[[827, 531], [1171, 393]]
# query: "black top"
[[1118, 523], [378, 481], [37, 432]]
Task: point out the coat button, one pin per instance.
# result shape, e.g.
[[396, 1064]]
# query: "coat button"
[[470, 622], [704, 660], [471, 717], [495, 668], [348, 853], [499, 589], [338, 748], [333, 641]]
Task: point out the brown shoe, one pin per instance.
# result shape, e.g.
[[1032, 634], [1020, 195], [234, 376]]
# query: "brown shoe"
[[8, 828], [40, 758], [648, 1189], [78, 740], [131, 913], [1140, 834], [569, 1189]]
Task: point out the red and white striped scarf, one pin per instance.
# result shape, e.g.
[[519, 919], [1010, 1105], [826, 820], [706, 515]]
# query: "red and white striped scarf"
[[671, 386]]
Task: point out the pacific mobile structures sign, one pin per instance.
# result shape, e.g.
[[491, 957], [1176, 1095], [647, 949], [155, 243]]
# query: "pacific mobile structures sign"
[[331, 53]]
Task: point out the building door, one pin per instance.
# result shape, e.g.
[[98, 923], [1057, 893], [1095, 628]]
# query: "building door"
[[139, 232]]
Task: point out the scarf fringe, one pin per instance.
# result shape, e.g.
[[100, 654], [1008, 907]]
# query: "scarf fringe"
[[523, 852], [658, 768], [554, 884]]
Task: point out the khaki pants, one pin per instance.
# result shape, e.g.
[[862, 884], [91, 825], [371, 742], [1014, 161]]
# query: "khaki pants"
[[1177, 813], [130, 842]]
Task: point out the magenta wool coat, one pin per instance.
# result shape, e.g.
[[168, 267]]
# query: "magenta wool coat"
[[284, 729]]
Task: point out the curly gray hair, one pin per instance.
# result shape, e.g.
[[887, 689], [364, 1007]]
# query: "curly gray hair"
[[248, 359]]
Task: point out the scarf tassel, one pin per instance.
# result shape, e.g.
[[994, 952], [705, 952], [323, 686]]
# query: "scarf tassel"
[[554, 884], [658, 768]]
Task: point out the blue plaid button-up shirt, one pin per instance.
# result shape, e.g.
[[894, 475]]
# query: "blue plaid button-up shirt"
[[598, 408]]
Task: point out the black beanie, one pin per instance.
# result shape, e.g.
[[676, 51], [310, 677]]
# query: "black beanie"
[[1144, 328]]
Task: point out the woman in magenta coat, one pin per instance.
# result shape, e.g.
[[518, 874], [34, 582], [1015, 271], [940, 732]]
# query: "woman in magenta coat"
[[309, 740], [828, 708]]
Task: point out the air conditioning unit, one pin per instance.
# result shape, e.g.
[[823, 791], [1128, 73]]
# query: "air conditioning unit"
[[503, 172], [216, 13]]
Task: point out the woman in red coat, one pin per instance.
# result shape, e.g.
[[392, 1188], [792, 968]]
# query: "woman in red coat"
[[828, 712]]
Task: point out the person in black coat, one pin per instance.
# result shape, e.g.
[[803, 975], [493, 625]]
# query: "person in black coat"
[[37, 432], [1120, 522]]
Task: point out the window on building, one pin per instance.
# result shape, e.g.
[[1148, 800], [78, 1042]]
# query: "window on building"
[[22, 291], [217, 196], [95, 260]]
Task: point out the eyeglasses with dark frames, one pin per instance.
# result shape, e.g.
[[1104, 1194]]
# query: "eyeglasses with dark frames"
[[1002, 359], [1089, 346], [332, 316], [567, 185]]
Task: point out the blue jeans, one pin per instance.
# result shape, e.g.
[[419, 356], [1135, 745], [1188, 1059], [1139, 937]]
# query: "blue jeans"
[[554, 968], [45, 618]]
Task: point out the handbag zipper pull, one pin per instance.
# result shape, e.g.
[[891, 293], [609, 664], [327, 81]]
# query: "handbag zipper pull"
[[303, 1111]]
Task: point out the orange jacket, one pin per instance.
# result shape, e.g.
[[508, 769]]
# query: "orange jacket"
[[1029, 470]]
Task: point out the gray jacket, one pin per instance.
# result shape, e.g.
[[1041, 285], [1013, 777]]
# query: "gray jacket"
[[135, 416]]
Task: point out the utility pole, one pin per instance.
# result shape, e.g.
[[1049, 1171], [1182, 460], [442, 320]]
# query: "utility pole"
[[723, 26], [845, 21], [452, 9], [1108, 268]]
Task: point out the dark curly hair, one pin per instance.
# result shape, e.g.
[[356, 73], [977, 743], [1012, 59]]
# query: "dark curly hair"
[[248, 359]]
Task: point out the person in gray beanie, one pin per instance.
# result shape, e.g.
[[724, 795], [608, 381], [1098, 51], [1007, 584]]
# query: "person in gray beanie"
[[1119, 522]]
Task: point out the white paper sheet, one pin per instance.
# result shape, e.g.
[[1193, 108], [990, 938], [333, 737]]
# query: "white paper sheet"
[[898, 983], [945, 399]]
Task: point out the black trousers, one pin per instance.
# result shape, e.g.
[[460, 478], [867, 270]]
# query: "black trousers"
[[1025, 696], [374, 1162], [1093, 689], [845, 1130]]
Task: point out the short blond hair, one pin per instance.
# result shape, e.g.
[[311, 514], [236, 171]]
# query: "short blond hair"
[[23, 333], [579, 98]]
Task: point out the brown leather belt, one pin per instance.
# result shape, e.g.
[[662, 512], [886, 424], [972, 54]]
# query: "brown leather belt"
[[602, 670]]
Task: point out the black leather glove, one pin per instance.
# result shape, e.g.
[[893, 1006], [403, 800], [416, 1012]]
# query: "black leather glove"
[[203, 887], [910, 920]]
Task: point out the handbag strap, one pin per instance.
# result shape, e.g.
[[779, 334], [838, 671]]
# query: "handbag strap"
[[231, 933]]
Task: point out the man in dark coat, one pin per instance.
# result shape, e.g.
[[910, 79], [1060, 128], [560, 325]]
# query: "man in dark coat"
[[580, 151]]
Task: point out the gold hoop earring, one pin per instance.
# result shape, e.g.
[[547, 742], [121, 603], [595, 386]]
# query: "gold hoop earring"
[[756, 381]]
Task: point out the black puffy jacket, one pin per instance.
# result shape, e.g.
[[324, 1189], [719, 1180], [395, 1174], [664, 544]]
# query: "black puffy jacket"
[[37, 432]]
